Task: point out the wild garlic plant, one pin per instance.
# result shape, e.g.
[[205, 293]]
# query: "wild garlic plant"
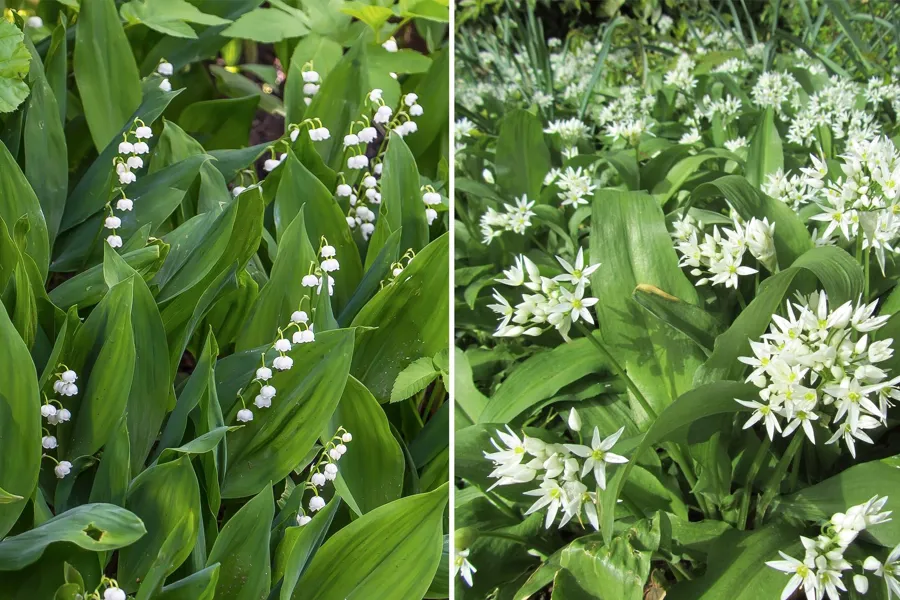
[[822, 570], [719, 259], [818, 365], [556, 302]]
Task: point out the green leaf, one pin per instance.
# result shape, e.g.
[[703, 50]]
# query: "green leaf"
[[373, 16], [270, 446], [390, 553], [169, 17], [522, 156], [103, 355], [764, 156], [324, 54], [105, 71], [114, 473], [412, 320], [629, 239], [299, 545], [856, 485], [165, 497], [371, 473], [433, 90], [164, 562], [737, 569], [94, 527], [299, 188], [46, 159], [413, 379], [7, 498], [221, 123], [17, 200], [14, 62], [242, 548], [199, 586], [267, 26], [691, 320], [402, 197], [20, 424]]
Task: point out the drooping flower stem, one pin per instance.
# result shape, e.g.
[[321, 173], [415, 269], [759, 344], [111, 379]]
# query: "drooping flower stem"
[[773, 485], [761, 453]]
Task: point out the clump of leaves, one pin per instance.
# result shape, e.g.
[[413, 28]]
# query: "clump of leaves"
[[212, 377]]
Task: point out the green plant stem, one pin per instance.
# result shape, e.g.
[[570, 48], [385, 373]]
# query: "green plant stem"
[[774, 483], [637, 163], [761, 453], [497, 504], [618, 369]]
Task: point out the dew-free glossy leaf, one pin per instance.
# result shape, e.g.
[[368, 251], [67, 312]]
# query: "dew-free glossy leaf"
[[17, 199], [522, 156], [401, 196], [14, 61]]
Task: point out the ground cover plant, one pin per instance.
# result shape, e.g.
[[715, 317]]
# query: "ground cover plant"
[[223, 275], [676, 301]]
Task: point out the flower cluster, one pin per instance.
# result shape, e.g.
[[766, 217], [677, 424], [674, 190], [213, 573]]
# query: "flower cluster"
[[575, 185], [793, 190], [323, 470], [165, 69], [516, 219], [824, 564], [818, 364], [319, 272], [56, 413], [310, 82], [131, 148], [719, 260], [556, 302], [775, 89], [317, 133], [560, 469], [866, 200], [368, 192], [430, 198]]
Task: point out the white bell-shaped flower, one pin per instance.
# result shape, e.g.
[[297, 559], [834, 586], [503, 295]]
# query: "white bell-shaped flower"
[[375, 95], [62, 469], [69, 376], [299, 316], [347, 437], [351, 139], [368, 135], [329, 265], [344, 190], [310, 89], [264, 373], [135, 162], [143, 133], [327, 251], [383, 115], [410, 99], [341, 448], [369, 181], [126, 148], [390, 45], [431, 198], [430, 215], [124, 204], [114, 241], [271, 164], [165, 85], [48, 410], [262, 402], [141, 148], [68, 389], [334, 454], [396, 272], [316, 503], [282, 345], [303, 520], [283, 363], [330, 471], [267, 391], [318, 479], [112, 222], [309, 281], [126, 177], [63, 415], [165, 69], [416, 110], [114, 593], [367, 229], [379, 168], [351, 222], [303, 337], [310, 76], [48, 442], [245, 415]]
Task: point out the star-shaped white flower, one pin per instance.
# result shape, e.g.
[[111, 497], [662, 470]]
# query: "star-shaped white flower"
[[598, 454]]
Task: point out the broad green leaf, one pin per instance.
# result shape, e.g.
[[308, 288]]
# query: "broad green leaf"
[[169, 17], [103, 356], [282, 294], [222, 123], [522, 156], [242, 549], [324, 54], [14, 61], [151, 385], [373, 16], [684, 169], [46, 161], [539, 378], [411, 315], [402, 61], [199, 586], [299, 545], [164, 563], [413, 379], [764, 155], [17, 200], [165, 497], [20, 424], [856, 485], [114, 472], [737, 569], [94, 527], [266, 26], [56, 67], [390, 553], [691, 320], [270, 446], [235, 85], [433, 90], [375, 272], [402, 197], [105, 71], [299, 188], [620, 568], [373, 474], [630, 241]]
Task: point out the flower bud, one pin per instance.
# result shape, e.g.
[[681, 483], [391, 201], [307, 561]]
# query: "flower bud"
[[574, 420], [114, 593], [430, 215], [165, 85], [346, 438], [166, 69], [310, 89], [310, 76], [390, 45], [334, 453], [303, 520], [341, 448]]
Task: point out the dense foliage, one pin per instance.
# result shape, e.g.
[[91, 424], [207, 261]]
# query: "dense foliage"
[[224, 321], [676, 301]]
